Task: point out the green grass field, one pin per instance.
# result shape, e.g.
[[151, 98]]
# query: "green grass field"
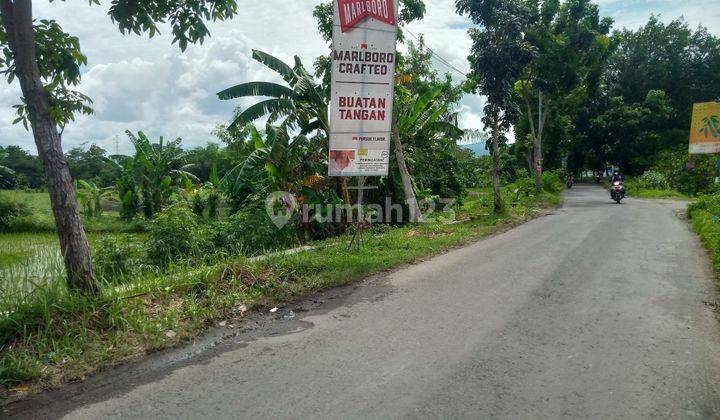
[[41, 217]]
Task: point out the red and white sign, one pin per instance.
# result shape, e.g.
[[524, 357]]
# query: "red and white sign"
[[352, 12], [363, 72]]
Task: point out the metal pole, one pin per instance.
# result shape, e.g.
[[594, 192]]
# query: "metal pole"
[[361, 219]]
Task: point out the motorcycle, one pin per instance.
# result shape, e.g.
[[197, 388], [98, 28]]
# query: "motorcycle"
[[598, 177], [570, 181], [617, 191]]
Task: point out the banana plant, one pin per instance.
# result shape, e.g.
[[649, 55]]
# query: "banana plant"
[[91, 196], [278, 157], [420, 116], [160, 168], [300, 102]]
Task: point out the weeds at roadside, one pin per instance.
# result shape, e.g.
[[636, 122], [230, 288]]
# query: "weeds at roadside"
[[49, 337]]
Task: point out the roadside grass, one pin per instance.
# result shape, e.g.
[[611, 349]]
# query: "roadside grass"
[[49, 336], [653, 193], [705, 217], [639, 190], [41, 218]]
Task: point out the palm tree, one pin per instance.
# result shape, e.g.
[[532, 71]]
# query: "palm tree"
[[419, 115], [158, 166], [301, 102]]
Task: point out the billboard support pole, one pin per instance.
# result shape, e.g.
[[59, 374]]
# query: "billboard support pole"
[[358, 239]]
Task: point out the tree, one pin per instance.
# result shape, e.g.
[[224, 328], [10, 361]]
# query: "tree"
[[159, 166], [498, 57], [569, 44], [300, 103], [280, 158], [46, 61], [4, 169], [416, 115]]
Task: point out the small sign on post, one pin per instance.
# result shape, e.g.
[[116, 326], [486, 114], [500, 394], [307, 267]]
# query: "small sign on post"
[[705, 128]]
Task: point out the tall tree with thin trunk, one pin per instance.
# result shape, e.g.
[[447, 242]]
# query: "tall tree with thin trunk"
[[569, 46], [498, 57], [46, 61]]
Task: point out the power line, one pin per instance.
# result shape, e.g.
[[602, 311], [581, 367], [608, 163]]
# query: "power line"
[[438, 56]]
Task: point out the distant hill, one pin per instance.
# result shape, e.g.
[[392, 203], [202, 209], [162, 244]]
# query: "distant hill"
[[477, 148]]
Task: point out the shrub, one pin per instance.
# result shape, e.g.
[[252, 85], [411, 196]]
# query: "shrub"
[[705, 215], [551, 181], [652, 180], [177, 234], [118, 259], [11, 210], [251, 231], [213, 202], [198, 203]]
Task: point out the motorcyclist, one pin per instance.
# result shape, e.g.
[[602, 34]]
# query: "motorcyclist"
[[617, 177]]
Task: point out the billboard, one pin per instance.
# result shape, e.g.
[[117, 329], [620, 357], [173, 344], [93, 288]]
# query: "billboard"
[[705, 128], [363, 71]]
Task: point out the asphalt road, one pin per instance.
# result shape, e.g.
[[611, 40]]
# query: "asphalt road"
[[596, 311]]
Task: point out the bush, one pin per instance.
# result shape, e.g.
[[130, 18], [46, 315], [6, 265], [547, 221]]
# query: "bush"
[[252, 232], [652, 180], [705, 215], [551, 181], [11, 210], [706, 203], [117, 259], [177, 234], [701, 180]]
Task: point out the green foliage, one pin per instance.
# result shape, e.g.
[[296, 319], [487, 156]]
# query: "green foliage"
[[701, 179], [11, 210], [301, 103], [187, 18], [652, 180], [51, 336], [552, 181], [118, 259], [705, 215], [177, 235], [26, 171], [91, 197], [250, 231], [59, 66], [160, 168]]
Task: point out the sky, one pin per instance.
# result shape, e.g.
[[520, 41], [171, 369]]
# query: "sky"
[[145, 84]]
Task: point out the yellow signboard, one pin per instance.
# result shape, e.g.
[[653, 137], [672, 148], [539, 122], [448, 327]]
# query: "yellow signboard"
[[705, 128]]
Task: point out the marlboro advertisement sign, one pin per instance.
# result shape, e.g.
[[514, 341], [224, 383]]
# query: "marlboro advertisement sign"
[[351, 12], [363, 70]]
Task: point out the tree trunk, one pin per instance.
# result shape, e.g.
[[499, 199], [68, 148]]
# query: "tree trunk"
[[497, 199], [536, 153], [410, 198], [17, 19]]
